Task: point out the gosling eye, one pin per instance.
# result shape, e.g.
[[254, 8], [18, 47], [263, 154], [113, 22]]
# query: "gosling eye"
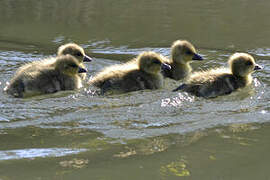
[[249, 63], [189, 53], [156, 61], [73, 66], [79, 54]]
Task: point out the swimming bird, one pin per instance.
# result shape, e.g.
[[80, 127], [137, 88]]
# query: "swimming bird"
[[70, 48], [60, 75], [221, 81], [74, 50], [182, 53], [143, 72]]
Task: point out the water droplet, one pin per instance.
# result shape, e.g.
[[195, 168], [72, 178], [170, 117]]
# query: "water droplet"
[[263, 111]]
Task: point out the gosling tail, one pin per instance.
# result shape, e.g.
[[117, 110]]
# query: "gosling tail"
[[15, 89]]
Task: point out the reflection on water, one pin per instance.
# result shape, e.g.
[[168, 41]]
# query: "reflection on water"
[[146, 134], [34, 153], [209, 24], [216, 153]]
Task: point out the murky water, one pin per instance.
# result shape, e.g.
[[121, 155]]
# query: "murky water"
[[140, 135]]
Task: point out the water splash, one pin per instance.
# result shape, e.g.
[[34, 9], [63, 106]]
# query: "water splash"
[[177, 101], [264, 112]]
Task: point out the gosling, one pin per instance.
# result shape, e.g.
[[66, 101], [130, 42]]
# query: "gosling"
[[70, 48], [74, 50], [143, 72], [222, 81], [63, 74], [182, 53]]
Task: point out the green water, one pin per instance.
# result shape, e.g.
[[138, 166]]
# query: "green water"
[[140, 135]]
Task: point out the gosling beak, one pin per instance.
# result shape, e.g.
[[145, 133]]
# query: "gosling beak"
[[82, 70], [165, 66], [257, 67], [197, 57], [87, 59]]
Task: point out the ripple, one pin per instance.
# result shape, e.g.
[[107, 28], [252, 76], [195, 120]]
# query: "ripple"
[[36, 153], [124, 50], [261, 51], [11, 56]]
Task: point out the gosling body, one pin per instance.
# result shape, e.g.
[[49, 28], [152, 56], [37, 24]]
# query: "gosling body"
[[141, 73], [222, 81], [49, 78], [182, 53], [70, 48]]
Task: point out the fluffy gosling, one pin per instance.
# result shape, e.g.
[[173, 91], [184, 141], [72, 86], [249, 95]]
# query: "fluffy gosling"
[[74, 50], [221, 81], [62, 74], [70, 48], [144, 72], [182, 53]]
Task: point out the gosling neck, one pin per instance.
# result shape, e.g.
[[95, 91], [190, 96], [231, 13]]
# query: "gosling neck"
[[183, 66], [245, 79]]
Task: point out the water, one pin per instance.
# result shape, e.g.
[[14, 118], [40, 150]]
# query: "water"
[[140, 135]]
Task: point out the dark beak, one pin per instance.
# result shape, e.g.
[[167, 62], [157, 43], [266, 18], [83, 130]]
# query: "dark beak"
[[87, 59], [165, 66], [82, 70], [257, 67], [197, 57]]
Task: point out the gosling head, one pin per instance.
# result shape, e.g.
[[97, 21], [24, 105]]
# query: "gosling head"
[[151, 62], [242, 64], [183, 52], [68, 65], [74, 50]]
